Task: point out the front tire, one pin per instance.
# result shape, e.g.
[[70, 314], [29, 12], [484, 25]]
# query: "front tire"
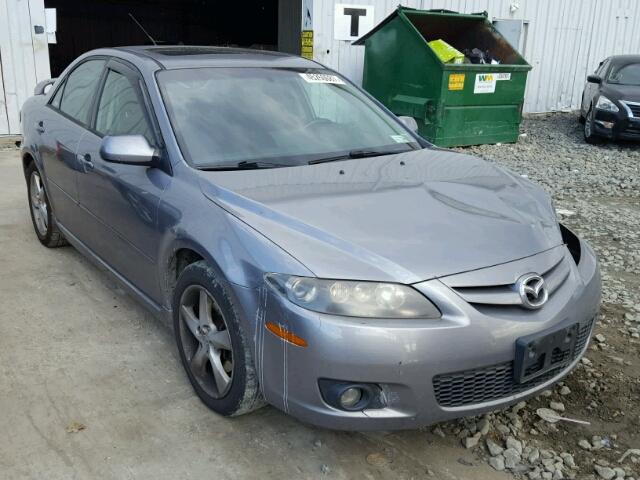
[[589, 135], [42, 217], [213, 347]]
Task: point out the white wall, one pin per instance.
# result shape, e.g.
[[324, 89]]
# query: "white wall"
[[565, 42], [24, 58]]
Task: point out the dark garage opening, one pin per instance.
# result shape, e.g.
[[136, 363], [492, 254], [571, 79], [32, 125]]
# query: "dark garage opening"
[[260, 24]]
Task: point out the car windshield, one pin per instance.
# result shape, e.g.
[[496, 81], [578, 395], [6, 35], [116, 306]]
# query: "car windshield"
[[628, 74], [275, 117]]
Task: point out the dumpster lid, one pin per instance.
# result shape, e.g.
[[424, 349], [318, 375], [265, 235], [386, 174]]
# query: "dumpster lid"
[[401, 9]]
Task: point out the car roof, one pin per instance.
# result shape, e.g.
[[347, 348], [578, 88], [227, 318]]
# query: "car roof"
[[193, 56], [625, 59]]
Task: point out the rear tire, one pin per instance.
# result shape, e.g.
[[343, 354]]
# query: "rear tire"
[[213, 347], [589, 135], [42, 216]]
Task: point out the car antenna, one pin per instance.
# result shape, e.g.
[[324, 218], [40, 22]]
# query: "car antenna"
[[142, 28]]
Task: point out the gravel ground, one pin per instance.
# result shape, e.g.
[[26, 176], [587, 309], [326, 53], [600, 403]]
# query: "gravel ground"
[[596, 190]]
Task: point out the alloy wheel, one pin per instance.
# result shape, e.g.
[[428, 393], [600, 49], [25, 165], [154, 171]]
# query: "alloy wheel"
[[205, 341], [39, 206]]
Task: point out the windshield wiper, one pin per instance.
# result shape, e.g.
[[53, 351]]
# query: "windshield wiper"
[[356, 154], [243, 165]]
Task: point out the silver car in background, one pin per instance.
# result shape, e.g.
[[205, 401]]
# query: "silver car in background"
[[310, 249]]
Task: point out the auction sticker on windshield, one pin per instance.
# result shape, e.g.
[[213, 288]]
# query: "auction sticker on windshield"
[[321, 78], [400, 139]]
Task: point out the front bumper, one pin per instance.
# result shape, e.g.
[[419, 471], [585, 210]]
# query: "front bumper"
[[624, 127], [404, 357]]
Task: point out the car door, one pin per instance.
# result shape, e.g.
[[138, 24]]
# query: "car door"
[[61, 126], [120, 202]]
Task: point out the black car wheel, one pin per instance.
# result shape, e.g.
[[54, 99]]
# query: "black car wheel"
[[589, 134], [581, 115], [42, 217], [213, 347], [581, 118]]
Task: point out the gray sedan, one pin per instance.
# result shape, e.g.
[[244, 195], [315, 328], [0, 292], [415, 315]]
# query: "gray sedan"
[[311, 250]]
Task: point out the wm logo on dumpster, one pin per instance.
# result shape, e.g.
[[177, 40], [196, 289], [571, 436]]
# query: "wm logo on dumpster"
[[485, 83]]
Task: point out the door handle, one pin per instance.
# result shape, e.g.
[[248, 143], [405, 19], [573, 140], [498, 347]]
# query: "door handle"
[[86, 161], [40, 127]]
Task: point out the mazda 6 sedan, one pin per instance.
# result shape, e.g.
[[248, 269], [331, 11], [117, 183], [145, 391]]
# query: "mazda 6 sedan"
[[312, 251]]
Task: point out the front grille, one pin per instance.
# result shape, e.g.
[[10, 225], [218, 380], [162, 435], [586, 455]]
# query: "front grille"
[[494, 382], [634, 107], [558, 356], [507, 295], [583, 336], [632, 130]]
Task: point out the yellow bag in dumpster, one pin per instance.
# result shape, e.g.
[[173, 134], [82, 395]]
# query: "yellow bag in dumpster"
[[446, 52]]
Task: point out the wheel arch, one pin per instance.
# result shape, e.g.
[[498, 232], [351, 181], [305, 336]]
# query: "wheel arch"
[[27, 159], [182, 253]]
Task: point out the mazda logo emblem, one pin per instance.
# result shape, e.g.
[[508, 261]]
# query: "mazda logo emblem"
[[532, 290]]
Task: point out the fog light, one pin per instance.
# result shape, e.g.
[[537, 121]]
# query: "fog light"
[[350, 397]]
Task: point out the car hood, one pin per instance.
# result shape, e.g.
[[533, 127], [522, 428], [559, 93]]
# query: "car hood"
[[630, 93], [405, 218]]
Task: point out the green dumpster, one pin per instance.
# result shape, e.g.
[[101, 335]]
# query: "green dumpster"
[[453, 103]]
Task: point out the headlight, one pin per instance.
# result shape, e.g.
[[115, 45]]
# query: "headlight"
[[352, 298], [605, 104]]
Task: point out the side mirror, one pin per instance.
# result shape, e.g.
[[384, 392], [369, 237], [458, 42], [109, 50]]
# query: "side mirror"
[[410, 123], [128, 149], [44, 86], [594, 79]]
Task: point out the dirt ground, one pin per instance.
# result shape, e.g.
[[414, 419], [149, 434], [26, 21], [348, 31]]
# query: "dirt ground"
[[91, 385], [76, 351]]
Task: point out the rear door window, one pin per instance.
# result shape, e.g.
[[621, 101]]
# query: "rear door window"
[[80, 90], [120, 111]]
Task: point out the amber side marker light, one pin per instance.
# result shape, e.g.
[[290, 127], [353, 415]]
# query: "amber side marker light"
[[285, 334]]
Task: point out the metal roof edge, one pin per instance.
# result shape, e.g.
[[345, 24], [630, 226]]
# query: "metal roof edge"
[[400, 10], [389, 17]]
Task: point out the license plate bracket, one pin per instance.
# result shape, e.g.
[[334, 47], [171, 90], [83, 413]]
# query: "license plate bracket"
[[541, 352]]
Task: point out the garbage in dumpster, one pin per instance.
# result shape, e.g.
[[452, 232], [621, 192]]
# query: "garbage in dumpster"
[[446, 52], [477, 56]]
